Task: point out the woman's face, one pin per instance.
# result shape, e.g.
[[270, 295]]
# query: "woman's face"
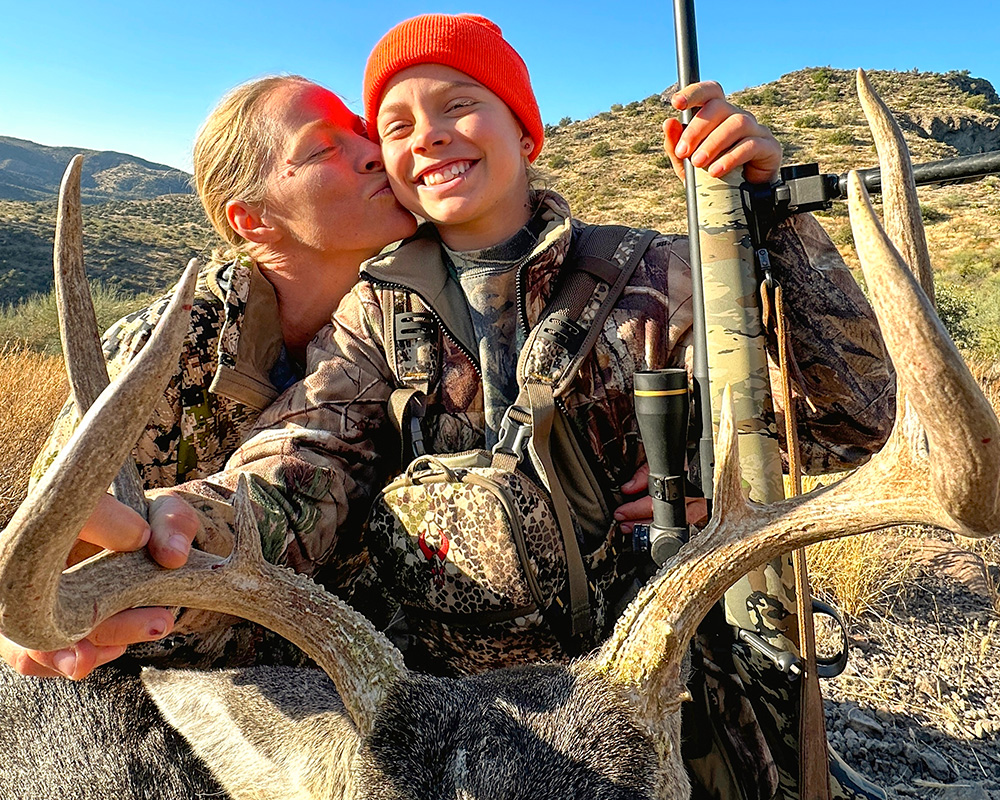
[[328, 190], [455, 154]]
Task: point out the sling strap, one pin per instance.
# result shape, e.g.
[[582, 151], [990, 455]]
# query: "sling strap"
[[601, 262]]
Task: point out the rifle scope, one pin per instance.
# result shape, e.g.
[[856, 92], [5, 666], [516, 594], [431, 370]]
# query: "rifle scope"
[[662, 406]]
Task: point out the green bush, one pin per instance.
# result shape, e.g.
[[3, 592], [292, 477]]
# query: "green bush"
[[663, 162], [955, 312], [976, 101], [617, 106], [600, 150], [565, 121], [840, 136], [558, 160], [641, 146], [808, 121]]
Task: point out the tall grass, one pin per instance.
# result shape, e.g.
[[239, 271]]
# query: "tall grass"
[[34, 324], [33, 388]]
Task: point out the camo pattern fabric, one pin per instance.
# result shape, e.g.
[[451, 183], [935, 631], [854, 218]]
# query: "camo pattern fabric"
[[192, 430]]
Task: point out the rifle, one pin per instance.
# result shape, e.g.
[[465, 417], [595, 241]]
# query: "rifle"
[[730, 347]]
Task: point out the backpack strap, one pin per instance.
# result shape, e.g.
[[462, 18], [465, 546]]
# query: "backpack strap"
[[414, 353], [596, 271]]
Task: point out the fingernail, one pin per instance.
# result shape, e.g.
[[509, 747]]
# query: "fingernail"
[[699, 159], [682, 150], [179, 544], [156, 630], [627, 527], [678, 101], [619, 516], [65, 662]]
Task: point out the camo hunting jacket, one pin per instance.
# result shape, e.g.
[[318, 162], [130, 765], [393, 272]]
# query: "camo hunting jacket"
[[324, 448], [221, 384]]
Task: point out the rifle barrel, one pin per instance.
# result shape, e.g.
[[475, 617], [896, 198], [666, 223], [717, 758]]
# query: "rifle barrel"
[[948, 170]]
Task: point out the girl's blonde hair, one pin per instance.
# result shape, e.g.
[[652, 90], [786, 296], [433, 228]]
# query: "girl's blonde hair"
[[234, 150]]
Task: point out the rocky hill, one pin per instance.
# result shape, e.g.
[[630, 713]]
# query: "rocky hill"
[[30, 171]]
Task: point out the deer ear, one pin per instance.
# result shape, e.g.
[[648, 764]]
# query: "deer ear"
[[267, 733]]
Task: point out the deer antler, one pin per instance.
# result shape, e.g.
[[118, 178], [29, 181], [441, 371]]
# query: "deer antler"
[[940, 466], [81, 340], [46, 608]]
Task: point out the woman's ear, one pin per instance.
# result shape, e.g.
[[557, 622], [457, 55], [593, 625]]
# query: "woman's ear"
[[250, 223], [527, 144]]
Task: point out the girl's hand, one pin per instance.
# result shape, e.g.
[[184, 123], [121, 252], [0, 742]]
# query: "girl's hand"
[[720, 137]]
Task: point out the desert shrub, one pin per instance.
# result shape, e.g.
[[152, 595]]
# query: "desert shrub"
[[955, 312], [558, 160], [641, 146], [549, 130], [604, 115], [840, 136], [931, 214], [808, 121], [617, 106], [565, 121], [976, 101], [600, 150], [583, 134], [663, 162]]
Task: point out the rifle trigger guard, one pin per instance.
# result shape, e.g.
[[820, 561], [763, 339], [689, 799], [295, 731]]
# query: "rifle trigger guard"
[[833, 666]]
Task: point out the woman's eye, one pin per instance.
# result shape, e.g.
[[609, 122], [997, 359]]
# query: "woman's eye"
[[458, 105]]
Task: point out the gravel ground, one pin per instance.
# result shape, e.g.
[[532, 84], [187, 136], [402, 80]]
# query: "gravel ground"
[[918, 708]]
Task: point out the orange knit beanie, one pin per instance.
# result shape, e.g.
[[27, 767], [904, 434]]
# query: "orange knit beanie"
[[467, 42]]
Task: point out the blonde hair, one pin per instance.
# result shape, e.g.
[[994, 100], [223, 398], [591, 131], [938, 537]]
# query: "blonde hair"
[[234, 151]]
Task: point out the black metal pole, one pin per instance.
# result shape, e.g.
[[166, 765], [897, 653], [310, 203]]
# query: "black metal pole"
[[686, 37]]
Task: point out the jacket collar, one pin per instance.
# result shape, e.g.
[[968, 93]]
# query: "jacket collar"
[[417, 264], [250, 339]]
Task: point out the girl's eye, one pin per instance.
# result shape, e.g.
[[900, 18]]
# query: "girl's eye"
[[394, 129], [458, 105]]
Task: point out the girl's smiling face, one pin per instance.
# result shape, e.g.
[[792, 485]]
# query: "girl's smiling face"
[[455, 155]]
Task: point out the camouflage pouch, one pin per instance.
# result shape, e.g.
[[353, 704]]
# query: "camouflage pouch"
[[472, 550]]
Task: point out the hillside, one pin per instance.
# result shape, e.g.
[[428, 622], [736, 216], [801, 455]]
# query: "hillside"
[[30, 171], [129, 245]]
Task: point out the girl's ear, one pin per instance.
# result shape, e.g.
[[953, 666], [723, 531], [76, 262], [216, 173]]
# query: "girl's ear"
[[250, 223], [527, 144]]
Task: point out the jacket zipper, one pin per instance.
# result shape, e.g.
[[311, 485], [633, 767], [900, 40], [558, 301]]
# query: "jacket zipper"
[[441, 326]]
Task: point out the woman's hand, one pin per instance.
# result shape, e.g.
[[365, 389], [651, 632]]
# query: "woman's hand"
[[114, 526], [720, 137]]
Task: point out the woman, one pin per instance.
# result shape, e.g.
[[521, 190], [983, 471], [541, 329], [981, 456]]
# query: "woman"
[[289, 179]]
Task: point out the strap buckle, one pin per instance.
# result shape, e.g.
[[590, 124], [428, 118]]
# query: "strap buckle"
[[514, 433]]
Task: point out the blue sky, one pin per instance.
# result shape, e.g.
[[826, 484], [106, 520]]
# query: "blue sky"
[[139, 77]]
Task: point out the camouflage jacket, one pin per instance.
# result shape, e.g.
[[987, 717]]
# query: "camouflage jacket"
[[324, 448], [222, 381]]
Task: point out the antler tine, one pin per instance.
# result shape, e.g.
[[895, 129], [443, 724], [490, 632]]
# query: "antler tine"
[[81, 341], [899, 190]]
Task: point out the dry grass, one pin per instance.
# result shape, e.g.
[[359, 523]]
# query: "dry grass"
[[861, 574], [33, 388]]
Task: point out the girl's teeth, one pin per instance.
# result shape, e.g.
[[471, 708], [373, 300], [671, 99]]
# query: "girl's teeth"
[[434, 178]]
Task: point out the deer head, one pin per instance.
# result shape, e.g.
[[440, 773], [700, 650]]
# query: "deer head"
[[605, 726]]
